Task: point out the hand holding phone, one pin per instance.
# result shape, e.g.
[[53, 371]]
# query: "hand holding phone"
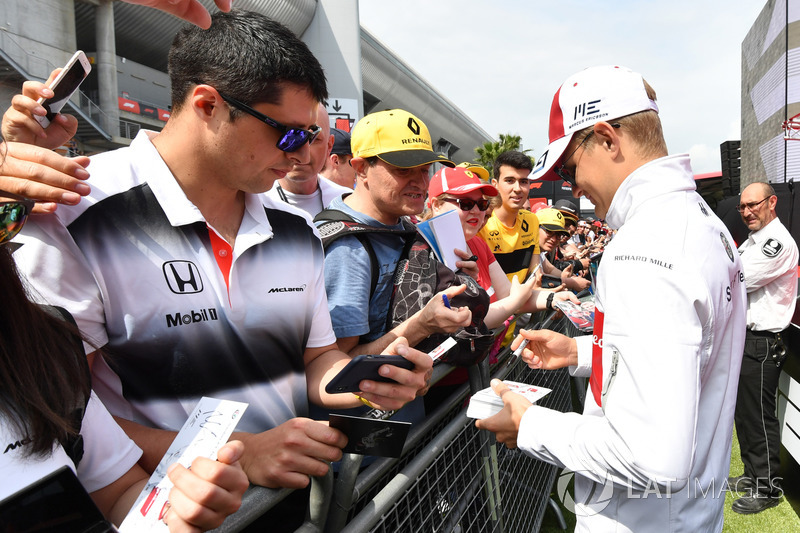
[[363, 367], [65, 84], [550, 282]]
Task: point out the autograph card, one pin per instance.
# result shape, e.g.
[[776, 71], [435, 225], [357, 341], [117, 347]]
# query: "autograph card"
[[581, 316], [366, 436], [206, 430]]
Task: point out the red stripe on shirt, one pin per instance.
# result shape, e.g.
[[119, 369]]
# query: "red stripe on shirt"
[[596, 381], [223, 253]]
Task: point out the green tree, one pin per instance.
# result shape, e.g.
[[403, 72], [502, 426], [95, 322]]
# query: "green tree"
[[490, 150]]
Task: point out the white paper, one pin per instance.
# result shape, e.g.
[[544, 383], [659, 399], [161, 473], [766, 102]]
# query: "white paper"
[[206, 430], [447, 234], [442, 349], [486, 402]]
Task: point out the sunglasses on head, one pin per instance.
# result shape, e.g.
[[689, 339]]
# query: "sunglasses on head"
[[292, 139], [13, 214], [466, 204]]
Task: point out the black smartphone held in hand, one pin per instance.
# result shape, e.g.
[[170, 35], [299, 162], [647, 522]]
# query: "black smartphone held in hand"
[[550, 282], [65, 84], [364, 367]]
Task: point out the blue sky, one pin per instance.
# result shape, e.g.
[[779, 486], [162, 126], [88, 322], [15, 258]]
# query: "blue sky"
[[501, 61]]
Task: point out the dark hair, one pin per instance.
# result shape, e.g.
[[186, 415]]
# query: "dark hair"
[[513, 159], [244, 55], [42, 378]]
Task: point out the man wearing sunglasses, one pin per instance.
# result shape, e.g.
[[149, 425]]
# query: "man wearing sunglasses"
[[194, 283], [769, 257], [651, 451]]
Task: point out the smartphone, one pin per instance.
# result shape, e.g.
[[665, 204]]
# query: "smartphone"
[[364, 367], [550, 282], [56, 502], [65, 84]]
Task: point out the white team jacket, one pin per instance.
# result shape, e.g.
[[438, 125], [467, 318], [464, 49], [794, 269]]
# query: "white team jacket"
[[769, 259], [651, 451]]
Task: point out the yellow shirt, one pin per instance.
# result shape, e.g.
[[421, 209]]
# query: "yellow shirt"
[[513, 247]]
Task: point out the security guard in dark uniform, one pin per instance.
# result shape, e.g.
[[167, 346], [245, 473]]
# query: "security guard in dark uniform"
[[769, 259]]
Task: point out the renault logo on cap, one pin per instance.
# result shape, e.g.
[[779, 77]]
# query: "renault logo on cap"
[[183, 277], [413, 126]]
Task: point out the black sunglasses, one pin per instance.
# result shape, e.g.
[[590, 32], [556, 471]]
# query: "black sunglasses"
[[466, 204], [292, 139], [567, 175], [13, 215]]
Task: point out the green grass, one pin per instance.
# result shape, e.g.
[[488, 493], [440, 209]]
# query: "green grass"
[[779, 519]]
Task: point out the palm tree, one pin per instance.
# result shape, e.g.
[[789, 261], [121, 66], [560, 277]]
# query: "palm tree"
[[490, 150]]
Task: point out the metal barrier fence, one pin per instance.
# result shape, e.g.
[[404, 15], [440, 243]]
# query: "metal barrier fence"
[[451, 477]]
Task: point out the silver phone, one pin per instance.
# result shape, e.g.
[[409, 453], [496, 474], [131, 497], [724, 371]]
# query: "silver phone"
[[65, 84]]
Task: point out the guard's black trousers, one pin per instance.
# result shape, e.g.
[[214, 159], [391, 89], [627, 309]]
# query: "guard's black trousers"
[[756, 417]]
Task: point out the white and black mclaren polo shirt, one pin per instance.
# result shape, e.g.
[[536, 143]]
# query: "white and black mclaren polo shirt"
[[179, 314]]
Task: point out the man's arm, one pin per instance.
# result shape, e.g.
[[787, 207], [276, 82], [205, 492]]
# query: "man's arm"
[[435, 317], [322, 364], [760, 269], [573, 283], [281, 457], [639, 421], [535, 260]]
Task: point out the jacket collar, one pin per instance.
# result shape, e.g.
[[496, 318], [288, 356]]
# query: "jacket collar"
[[661, 176]]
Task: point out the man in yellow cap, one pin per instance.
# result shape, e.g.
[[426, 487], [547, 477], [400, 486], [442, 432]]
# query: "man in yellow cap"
[[392, 156], [551, 229]]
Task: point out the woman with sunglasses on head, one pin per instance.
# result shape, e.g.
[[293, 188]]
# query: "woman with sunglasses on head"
[[460, 189], [49, 417]]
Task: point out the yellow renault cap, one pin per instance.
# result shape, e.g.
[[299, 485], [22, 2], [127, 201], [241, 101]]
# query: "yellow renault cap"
[[396, 137], [551, 219]]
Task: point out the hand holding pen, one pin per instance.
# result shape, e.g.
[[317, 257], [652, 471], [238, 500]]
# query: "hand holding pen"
[[545, 349], [441, 314]]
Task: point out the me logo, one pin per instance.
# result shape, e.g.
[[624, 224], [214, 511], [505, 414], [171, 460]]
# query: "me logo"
[[586, 109], [524, 226], [183, 277], [413, 126], [594, 503]]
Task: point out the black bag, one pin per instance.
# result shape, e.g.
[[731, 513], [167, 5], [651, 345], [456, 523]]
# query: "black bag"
[[417, 278]]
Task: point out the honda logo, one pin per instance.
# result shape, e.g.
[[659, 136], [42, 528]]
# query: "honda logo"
[[183, 277]]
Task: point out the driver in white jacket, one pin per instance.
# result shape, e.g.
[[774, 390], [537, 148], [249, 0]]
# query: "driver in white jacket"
[[651, 450]]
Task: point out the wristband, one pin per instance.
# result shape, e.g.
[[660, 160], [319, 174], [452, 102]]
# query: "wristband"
[[549, 304], [364, 401]]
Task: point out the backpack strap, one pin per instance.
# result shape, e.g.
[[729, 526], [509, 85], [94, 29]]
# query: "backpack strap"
[[73, 444], [333, 224]]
